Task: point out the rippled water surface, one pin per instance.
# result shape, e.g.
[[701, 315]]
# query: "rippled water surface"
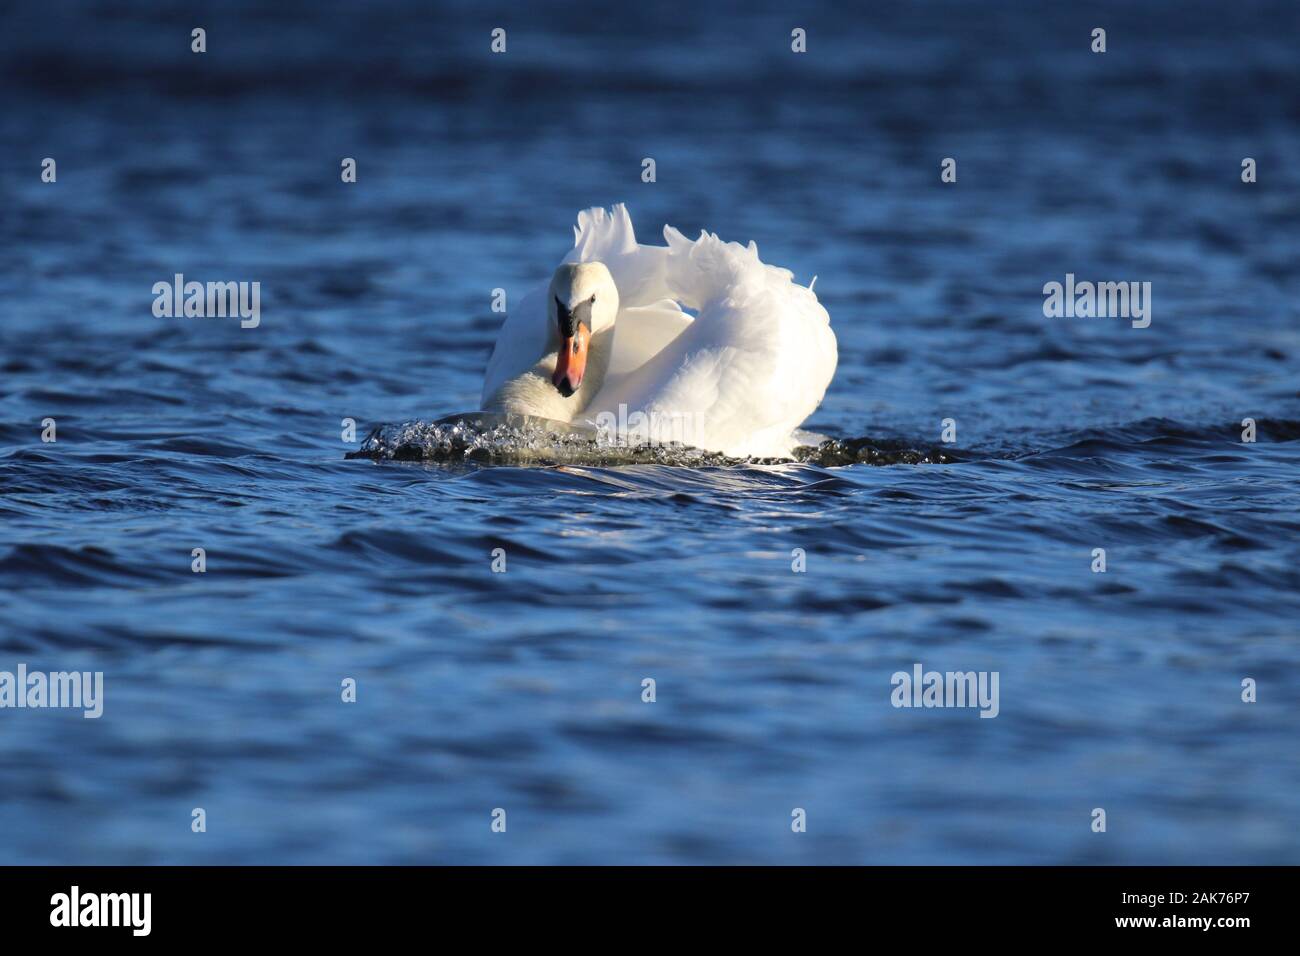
[[522, 690]]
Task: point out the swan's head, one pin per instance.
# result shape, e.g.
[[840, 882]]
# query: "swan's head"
[[583, 302]]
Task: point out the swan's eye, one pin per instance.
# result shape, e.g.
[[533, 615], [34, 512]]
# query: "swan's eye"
[[593, 298]]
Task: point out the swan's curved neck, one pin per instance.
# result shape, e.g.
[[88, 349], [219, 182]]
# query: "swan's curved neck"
[[532, 393]]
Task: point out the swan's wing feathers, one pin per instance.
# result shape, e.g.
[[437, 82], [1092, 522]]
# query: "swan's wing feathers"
[[519, 344], [642, 332], [740, 379], [757, 360], [608, 237]]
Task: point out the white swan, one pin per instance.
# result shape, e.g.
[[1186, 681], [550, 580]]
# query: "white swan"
[[607, 343]]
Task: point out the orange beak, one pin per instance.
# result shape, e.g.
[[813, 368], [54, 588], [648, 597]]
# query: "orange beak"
[[572, 362]]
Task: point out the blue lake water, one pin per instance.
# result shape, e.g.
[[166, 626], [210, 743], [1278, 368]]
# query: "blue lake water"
[[522, 690]]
